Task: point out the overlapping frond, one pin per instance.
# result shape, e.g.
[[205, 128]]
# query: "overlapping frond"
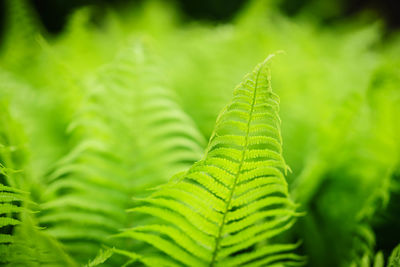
[[123, 143], [227, 208], [21, 241], [10, 208]]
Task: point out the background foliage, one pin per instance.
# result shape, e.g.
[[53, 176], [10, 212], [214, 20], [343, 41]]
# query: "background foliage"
[[125, 97]]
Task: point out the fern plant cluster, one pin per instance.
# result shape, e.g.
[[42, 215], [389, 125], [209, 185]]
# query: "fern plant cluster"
[[134, 138]]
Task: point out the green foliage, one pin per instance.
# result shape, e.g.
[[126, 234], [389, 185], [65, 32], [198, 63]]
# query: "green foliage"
[[100, 258], [21, 241], [227, 208], [115, 154], [394, 259], [94, 123]]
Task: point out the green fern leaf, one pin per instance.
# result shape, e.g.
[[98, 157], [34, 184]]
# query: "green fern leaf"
[[227, 208], [101, 257], [21, 242], [138, 143]]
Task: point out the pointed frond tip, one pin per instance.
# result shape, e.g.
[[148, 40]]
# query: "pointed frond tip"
[[102, 256], [229, 208]]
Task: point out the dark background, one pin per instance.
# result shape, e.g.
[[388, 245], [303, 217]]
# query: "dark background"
[[53, 13]]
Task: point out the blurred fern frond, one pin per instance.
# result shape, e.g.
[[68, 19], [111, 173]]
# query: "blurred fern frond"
[[129, 135], [22, 243]]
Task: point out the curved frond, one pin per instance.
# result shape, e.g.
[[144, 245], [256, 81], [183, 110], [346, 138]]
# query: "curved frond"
[[228, 208], [141, 139]]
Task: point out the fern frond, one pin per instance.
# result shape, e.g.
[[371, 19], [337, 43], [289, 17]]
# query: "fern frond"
[[228, 208], [21, 241], [138, 143]]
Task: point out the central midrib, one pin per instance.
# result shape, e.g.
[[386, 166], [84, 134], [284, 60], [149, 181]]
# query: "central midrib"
[[228, 203]]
